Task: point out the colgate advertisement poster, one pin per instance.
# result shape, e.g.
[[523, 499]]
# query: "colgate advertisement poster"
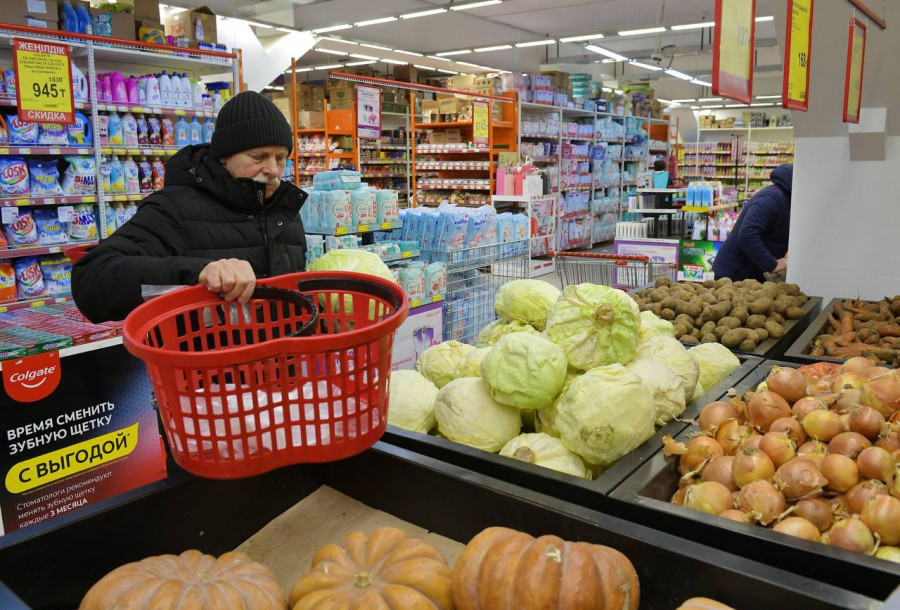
[[76, 430]]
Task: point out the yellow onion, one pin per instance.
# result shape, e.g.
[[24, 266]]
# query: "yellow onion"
[[719, 469], [735, 515], [788, 383], [841, 472], [778, 447], [882, 393], [848, 399], [710, 497], [678, 496], [730, 434], [857, 364], [762, 501], [752, 441], [889, 439], [715, 413], [851, 534], [799, 527], [866, 421], [791, 427], [888, 553], [849, 444], [751, 465], [699, 448], [799, 478], [817, 511], [862, 492], [812, 448], [807, 405], [876, 463], [895, 489], [822, 425], [847, 381], [882, 515], [764, 407]]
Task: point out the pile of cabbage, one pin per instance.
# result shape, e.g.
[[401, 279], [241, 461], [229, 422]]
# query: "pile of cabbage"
[[572, 380]]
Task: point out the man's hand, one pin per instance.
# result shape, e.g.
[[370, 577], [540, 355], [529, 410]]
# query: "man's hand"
[[780, 265], [233, 278]]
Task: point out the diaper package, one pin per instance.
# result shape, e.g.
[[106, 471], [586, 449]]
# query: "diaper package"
[[23, 231], [412, 279], [311, 221], [8, 290], [21, 133], [505, 228], [336, 210], [337, 180], [429, 228], [52, 134], [29, 277], [51, 232], [13, 176], [453, 228], [388, 208], [83, 225], [43, 178], [522, 231], [57, 274], [364, 207], [435, 279]]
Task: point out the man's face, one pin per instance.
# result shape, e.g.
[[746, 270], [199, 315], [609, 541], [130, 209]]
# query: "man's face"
[[264, 164]]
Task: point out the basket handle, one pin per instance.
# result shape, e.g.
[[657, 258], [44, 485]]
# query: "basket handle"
[[332, 284], [302, 301]]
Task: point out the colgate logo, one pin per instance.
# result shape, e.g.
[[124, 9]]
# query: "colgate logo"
[[14, 172], [32, 378]]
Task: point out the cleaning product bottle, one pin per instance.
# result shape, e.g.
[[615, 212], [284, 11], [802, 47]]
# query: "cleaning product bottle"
[[84, 19], [79, 84], [142, 130], [130, 169], [104, 177], [115, 137], [207, 102], [110, 220], [130, 210], [175, 99], [117, 84], [165, 89], [196, 132], [182, 133], [197, 95], [132, 88], [105, 89], [68, 19], [217, 101], [129, 130], [208, 128], [154, 96], [121, 219], [198, 29], [141, 90], [116, 175]]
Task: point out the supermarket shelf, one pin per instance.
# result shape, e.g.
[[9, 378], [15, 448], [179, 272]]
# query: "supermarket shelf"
[[322, 130], [403, 175], [383, 147], [382, 161], [429, 167], [127, 196], [450, 124], [421, 303], [342, 155], [311, 154], [385, 226], [452, 151], [158, 151], [535, 106], [163, 110], [635, 159], [661, 190], [32, 201], [746, 128], [573, 189], [666, 211], [309, 173], [659, 150], [758, 154], [709, 152], [578, 139], [20, 252], [87, 347], [6, 100], [341, 132], [502, 124], [132, 56], [545, 160], [46, 150], [402, 256], [38, 302], [539, 136], [714, 208], [577, 112], [431, 186]]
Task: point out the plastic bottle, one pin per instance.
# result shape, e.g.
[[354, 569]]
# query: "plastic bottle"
[[182, 133], [198, 29], [184, 100], [116, 175], [131, 208], [217, 101], [175, 100], [117, 85], [196, 132], [130, 169], [142, 90], [207, 102], [132, 88], [79, 84], [129, 130], [208, 128], [105, 89], [197, 95], [110, 220], [154, 96], [68, 18], [84, 19], [165, 89]]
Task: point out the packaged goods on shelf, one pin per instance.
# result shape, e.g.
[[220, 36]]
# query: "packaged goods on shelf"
[[608, 129]]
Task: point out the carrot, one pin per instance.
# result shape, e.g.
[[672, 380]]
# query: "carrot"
[[835, 325], [892, 330], [846, 322]]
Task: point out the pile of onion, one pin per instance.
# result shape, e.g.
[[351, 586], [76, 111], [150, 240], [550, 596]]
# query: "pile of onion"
[[815, 458]]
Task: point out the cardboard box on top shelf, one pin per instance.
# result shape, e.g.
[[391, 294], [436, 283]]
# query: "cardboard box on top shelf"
[[453, 105], [406, 74], [341, 99], [283, 104], [146, 10], [123, 26], [31, 22], [437, 137], [185, 24], [513, 82], [454, 136], [307, 119], [463, 82], [48, 10], [559, 81], [431, 110]]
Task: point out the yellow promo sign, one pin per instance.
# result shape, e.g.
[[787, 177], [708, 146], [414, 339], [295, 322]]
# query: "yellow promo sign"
[[480, 123], [856, 59], [795, 93], [43, 81], [733, 49]]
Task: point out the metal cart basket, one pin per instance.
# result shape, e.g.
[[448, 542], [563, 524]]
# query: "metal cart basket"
[[623, 272]]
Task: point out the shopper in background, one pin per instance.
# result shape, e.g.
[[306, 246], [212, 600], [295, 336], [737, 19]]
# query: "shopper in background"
[[758, 243], [223, 219]]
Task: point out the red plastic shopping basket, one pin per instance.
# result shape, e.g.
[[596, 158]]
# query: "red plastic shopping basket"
[[299, 374]]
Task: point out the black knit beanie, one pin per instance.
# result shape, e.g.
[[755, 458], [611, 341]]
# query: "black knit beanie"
[[249, 120]]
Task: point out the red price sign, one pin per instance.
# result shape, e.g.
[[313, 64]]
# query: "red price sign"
[[856, 59], [43, 81], [797, 52], [733, 49]]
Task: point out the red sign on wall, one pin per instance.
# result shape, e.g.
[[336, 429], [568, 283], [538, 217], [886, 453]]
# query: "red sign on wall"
[[853, 82], [733, 49], [797, 55]]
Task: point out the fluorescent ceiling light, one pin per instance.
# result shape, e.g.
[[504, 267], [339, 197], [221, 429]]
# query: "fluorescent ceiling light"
[[710, 99], [409, 53], [702, 83], [602, 51], [341, 40], [678, 74], [328, 67], [449, 53], [358, 56], [580, 38], [535, 43], [275, 87], [758, 105], [360, 63], [694, 26], [302, 70], [332, 28], [447, 71], [768, 97], [609, 61], [669, 101], [423, 13], [766, 18], [376, 46], [394, 61], [644, 66], [465, 7], [499, 47], [735, 105], [695, 107], [438, 58], [685, 101], [643, 31], [712, 107], [423, 67], [618, 91], [329, 51], [465, 63], [362, 24]]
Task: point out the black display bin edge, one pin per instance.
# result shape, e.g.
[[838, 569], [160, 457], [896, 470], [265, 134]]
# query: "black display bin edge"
[[762, 543], [546, 480], [700, 568]]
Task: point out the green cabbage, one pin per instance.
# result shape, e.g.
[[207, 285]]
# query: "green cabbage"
[[594, 325], [653, 324], [604, 414], [438, 363], [470, 365], [524, 371], [664, 385], [491, 333], [359, 261], [526, 301], [673, 355], [411, 402], [716, 362], [467, 414], [546, 451]]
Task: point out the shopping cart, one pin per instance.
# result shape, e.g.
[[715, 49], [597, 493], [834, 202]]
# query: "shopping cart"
[[622, 272], [298, 374]]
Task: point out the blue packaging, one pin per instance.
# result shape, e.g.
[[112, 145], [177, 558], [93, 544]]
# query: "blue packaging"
[[83, 225], [505, 228], [435, 279], [43, 178], [429, 230], [21, 133], [51, 232], [364, 206], [337, 180], [29, 277], [13, 176], [412, 280], [52, 134], [336, 210], [452, 230], [145, 175], [78, 133], [522, 231], [9, 79], [388, 208]]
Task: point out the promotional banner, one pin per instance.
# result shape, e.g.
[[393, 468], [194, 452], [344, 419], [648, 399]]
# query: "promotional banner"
[[368, 112], [733, 49], [43, 81], [422, 329], [853, 82], [695, 260], [481, 113], [797, 55], [94, 437]]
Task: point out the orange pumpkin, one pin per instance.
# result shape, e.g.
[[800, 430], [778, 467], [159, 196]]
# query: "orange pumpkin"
[[387, 570], [503, 568], [190, 581], [703, 603]]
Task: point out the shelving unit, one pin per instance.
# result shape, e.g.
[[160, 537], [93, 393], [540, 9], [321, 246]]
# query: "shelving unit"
[[389, 165], [543, 218]]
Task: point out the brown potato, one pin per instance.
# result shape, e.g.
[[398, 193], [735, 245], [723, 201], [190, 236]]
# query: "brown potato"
[[775, 330], [720, 331], [762, 305], [794, 313], [669, 303], [707, 329], [680, 329], [740, 313], [762, 334], [658, 295], [756, 321], [709, 338], [747, 345], [730, 322], [688, 340], [735, 337], [667, 314]]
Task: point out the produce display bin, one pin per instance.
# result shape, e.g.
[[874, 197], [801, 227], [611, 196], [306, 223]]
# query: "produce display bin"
[[52, 567], [646, 494], [558, 484]]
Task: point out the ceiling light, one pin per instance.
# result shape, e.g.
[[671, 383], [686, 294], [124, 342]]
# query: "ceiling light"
[[710, 99], [644, 66], [447, 71], [643, 31], [668, 101], [702, 83], [758, 105], [685, 101], [609, 61], [678, 74], [766, 18], [694, 26], [712, 107], [768, 97], [695, 107], [735, 105], [332, 28], [361, 24], [302, 69], [535, 43], [358, 56], [329, 51], [465, 7], [449, 53], [438, 58], [465, 63], [580, 38], [423, 13], [275, 87], [340, 40], [409, 53], [602, 51], [422, 67], [499, 47], [394, 61], [376, 46], [328, 67], [360, 63]]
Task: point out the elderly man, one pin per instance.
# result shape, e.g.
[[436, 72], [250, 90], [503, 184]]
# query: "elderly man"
[[223, 219]]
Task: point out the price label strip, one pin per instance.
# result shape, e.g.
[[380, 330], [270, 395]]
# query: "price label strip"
[[733, 49], [44, 81], [795, 92]]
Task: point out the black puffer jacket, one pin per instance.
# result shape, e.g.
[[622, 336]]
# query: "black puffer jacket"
[[202, 215]]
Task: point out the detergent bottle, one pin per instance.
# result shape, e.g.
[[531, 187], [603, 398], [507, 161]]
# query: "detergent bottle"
[[197, 95], [117, 86], [79, 84], [208, 128], [84, 19], [154, 95], [131, 87], [196, 132], [68, 19], [182, 133], [165, 89]]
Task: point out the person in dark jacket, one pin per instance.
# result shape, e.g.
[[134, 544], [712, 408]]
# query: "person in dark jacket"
[[758, 243], [223, 219]]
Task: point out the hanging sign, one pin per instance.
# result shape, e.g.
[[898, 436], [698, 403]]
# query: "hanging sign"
[[795, 91], [856, 59], [43, 81], [480, 123], [733, 49], [368, 112]]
